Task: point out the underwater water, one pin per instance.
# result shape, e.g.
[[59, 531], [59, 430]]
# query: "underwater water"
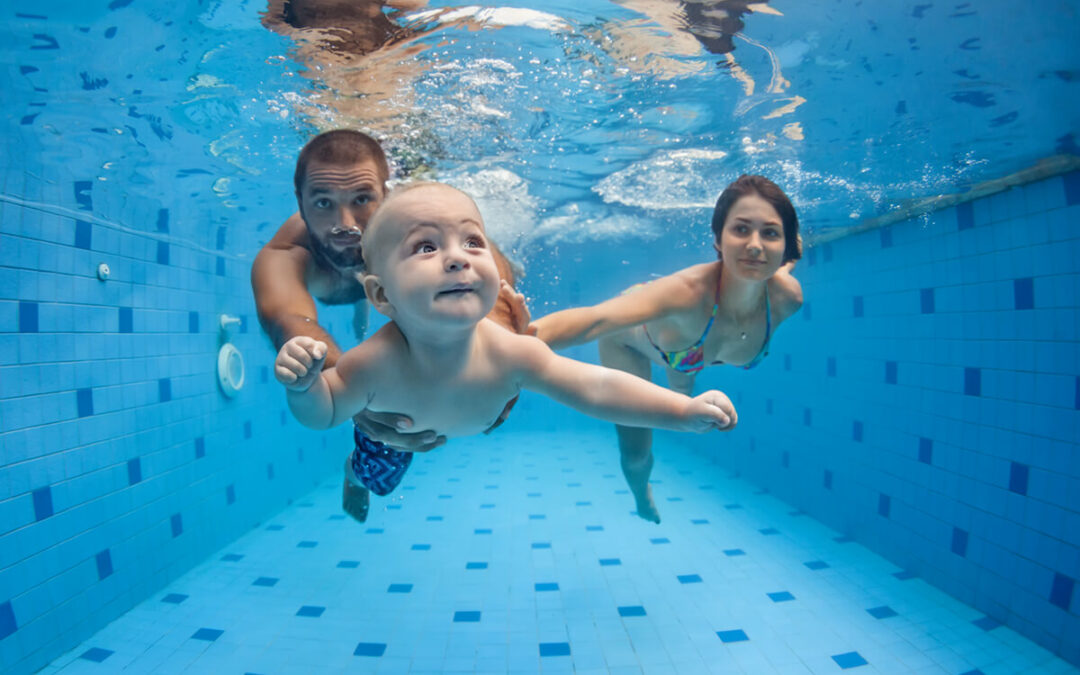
[[900, 495]]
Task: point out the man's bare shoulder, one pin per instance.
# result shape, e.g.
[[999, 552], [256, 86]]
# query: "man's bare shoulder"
[[291, 236]]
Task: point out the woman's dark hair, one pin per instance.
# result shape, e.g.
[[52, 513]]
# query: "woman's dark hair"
[[342, 147], [770, 192]]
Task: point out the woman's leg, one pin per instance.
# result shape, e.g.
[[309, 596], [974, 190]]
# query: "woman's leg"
[[635, 443]]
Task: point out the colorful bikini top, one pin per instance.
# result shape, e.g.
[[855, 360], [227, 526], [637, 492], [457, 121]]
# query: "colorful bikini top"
[[692, 359]]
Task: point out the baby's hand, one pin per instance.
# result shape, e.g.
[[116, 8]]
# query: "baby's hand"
[[299, 362], [711, 410]]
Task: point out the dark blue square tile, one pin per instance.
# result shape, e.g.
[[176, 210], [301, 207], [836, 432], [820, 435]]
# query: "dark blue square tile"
[[732, 507], [817, 564], [986, 623], [830, 366], [434, 519], [1072, 188], [96, 654], [884, 506], [104, 564], [886, 237], [890, 372], [883, 612], [1024, 293], [731, 552], [264, 581], [926, 450], [83, 234], [632, 610], [421, 547], [163, 220], [781, 596], [231, 557], [220, 266], [84, 399], [399, 588], [487, 506], [608, 562], [849, 660], [163, 253], [827, 479], [174, 598], [926, 301], [904, 575], [965, 216], [193, 322], [769, 531], [594, 528], [349, 564], [307, 544], [1018, 478], [541, 544], [476, 566], [482, 530], [230, 494], [43, 506], [806, 417], [28, 317], [134, 471], [590, 503], [208, 634], [732, 635], [311, 610], [126, 320], [689, 579], [959, 542], [857, 306], [856, 431], [1061, 592], [200, 447], [660, 540], [699, 521], [537, 516], [466, 617], [547, 586], [843, 539], [373, 530], [177, 524], [369, 649], [554, 649], [8, 625], [972, 381]]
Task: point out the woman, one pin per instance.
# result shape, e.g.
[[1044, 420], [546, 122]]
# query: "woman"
[[722, 312]]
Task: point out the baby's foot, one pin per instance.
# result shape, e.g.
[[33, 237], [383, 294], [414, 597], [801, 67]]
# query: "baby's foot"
[[355, 498], [646, 507]]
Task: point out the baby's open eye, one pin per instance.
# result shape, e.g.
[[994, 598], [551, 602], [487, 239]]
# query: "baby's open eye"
[[474, 242], [424, 247]]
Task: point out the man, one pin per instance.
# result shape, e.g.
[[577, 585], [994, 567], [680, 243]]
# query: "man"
[[340, 180]]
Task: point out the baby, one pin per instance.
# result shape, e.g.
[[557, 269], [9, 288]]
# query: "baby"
[[439, 360]]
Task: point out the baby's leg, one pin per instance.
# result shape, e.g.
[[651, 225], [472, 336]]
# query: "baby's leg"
[[635, 443], [355, 498]]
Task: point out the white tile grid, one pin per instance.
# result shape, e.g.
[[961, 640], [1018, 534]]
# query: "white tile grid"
[[933, 633]]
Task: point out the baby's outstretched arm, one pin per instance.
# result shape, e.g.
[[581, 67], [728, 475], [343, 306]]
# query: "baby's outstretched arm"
[[619, 397], [318, 398]]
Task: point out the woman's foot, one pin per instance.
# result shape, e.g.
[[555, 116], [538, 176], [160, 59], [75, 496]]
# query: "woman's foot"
[[646, 507]]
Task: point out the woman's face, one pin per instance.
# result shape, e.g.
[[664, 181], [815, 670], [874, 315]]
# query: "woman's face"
[[751, 242]]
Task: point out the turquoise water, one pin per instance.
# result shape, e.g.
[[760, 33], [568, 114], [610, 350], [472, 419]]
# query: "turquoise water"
[[901, 495]]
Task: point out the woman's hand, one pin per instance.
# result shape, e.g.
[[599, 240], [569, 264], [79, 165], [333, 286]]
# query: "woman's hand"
[[392, 429]]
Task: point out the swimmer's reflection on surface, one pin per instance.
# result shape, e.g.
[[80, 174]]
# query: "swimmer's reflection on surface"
[[355, 27], [712, 22]]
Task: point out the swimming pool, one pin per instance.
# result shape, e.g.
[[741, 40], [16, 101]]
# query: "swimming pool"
[[901, 491]]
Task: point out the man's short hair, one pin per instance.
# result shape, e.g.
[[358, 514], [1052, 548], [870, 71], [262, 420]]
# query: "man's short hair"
[[340, 147]]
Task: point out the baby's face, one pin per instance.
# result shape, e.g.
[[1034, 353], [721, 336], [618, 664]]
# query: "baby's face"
[[433, 258]]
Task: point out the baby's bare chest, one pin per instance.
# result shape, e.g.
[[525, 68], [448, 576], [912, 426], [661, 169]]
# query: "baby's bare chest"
[[452, 407]]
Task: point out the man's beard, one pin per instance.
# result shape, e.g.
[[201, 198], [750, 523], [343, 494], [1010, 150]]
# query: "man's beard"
[[342, 260]]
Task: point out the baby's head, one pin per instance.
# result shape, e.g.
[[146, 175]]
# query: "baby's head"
[[428, 259]]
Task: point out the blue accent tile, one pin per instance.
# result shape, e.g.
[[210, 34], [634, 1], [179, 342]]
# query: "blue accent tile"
[[689, 579], [886, 235], [857, 306], [986, 623], [96, 654], [421, 547], [307, 544], [220, 266], [537, 516], [890, 372], [608, 562], [785, 459], [221, 238], [632, 610], [826, 251], [806, 311], [174, 598], [466, 617], [231, 557], [926, 450], [904, 575], [817, 564], [972, 381], [769, 531], [1024, 293], [164, 386], [768, 406], [193, 322], [827, 481], [126, 321], [830, 366], [163, 253], [8, 625], [1076, 398], [177, 525], [965, 216], [83, 234], [806, 417], [856, 431], [399, 588], [594, 528], [973, 672], [582, 503], [247, 429], [270, 475], [374, 530], [208, 634], [28, 317], [1061, 592], [104, 564], [82, 191], [781, 596], [660, 540], [959, 541], [163, 220], [479, 530], [849, 660], [476, 565], [926, 300], [369, 649], [1018, 478], [349, 564], [230, 494], [1072, 188], [883, 612], [84, 399], [699, 521], [734, 552], [43, 506], [134, 471], [884, 505], [265, 581], [554, 649], [732, 635], [311, 610], [541, 544], [200, 447]]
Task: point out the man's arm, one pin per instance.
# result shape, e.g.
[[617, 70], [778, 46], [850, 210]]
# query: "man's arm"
[[284, 304]]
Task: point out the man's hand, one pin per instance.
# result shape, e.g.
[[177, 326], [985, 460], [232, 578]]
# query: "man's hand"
[[392, 429], [299, 362], [520, 317], [711, 410]]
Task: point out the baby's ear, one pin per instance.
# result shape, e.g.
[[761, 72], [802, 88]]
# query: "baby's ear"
[[376, 294]]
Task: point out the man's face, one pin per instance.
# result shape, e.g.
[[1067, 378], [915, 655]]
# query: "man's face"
[[336, 201]]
